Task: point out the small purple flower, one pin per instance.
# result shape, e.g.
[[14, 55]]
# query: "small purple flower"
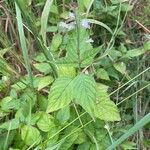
[[85, 23]]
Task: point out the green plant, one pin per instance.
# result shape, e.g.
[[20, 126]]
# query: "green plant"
[[73, 88]]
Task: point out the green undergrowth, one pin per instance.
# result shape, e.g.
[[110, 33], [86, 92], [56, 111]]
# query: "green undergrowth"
[[72, 76]]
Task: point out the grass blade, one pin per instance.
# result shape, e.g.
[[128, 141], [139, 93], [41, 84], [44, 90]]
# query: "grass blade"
[[101, 24], [23, 44], [32, 26], [131, 131], [44, 19]]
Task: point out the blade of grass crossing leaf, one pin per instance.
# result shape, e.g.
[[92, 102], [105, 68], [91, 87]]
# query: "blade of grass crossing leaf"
[[23, 44], [86, 112], [131, 131], [44, 19]]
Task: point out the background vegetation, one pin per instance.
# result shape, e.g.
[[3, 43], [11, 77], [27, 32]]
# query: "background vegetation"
[[74, 74]]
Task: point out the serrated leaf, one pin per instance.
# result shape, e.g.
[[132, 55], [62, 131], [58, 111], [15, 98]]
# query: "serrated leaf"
[[102, 92], [30, 135], [45, 81], [102, 74], [107, 110], [85, 92], [74, 45], [46, 122], [60, 94], [121, 67], [66, 71]]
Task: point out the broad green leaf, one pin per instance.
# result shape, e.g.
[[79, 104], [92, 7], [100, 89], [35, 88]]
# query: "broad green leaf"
[[52, 133], [40, 57], [10, 125], [46, 122], [43, 67], [102, 74], [107, 110], [60, 94], [69, 141], [19, 86], [28, 100], [81, 137], [42, 102], [102, 92], [66, 71], [4, 103], [100, 134], [35, 117], [56, 42], [63, 114], [121, 67], [112, 72], [45, 81], [135, 52], [30, 135], [85, 145], [115, 54], [78, 46], [85, 92], [9, 103]]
